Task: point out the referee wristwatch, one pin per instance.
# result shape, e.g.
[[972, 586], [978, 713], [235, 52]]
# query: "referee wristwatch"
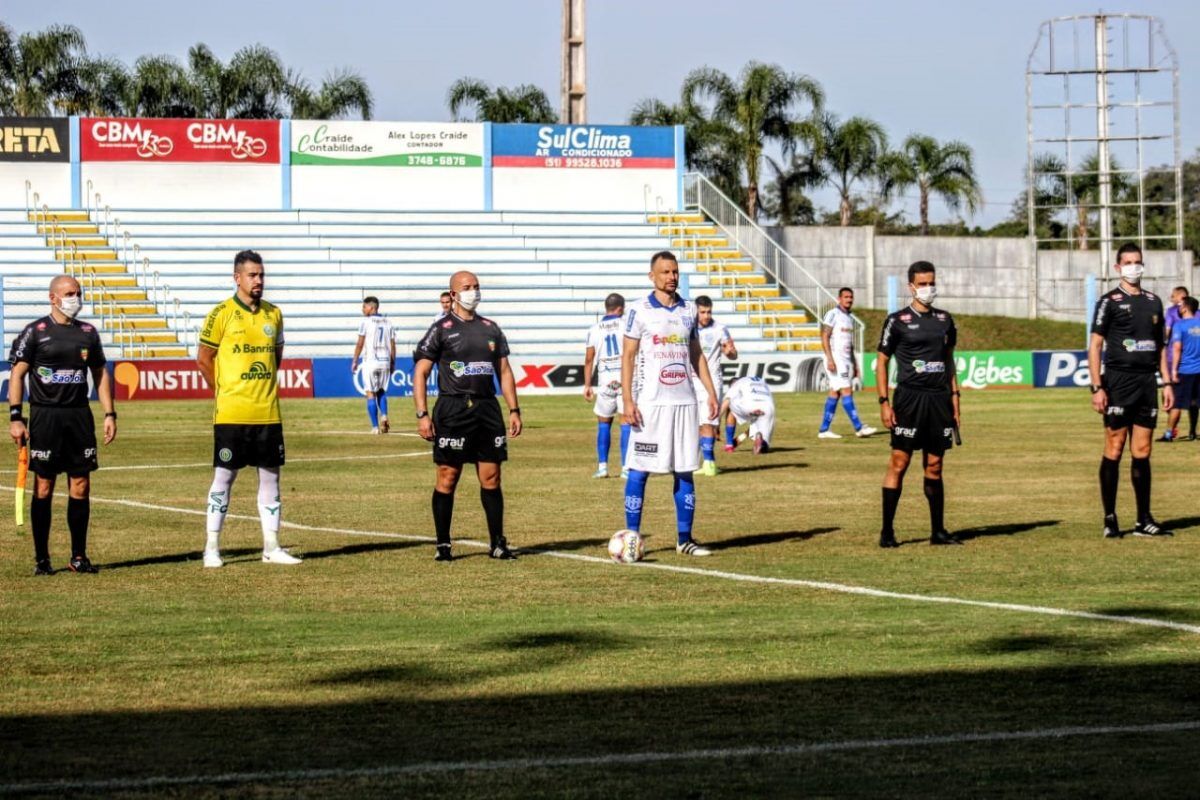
[[422, 414], [1095, 388], [883, 400]]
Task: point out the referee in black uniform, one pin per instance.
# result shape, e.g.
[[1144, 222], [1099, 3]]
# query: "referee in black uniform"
[[57, 352], [924, 412], [1128, 327], [467, 425]]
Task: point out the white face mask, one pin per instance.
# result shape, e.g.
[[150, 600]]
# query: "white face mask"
[[69, 306], [926, 294], [1132, 273], [468, 299]]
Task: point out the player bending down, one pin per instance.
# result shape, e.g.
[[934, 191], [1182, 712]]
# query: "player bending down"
[[749, 400]]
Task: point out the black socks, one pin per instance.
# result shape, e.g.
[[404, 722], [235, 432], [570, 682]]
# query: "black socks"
[[935, 494], [891, 499], [1139, 474], [1109, 475], [443, 513], [39, 523], [78, 514], [493, 509]]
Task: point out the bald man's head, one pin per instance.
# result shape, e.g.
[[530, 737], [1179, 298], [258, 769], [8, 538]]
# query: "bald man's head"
[[58, 280], [65, 296], [463, 280]]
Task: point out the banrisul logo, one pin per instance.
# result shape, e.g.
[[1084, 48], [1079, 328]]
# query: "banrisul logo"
[[258, 372]]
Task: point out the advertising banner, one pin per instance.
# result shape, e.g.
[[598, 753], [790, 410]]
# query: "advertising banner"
[[386, 144], [230, 141], [583, 146], [35, 139], [332, 378], [180, 379], [1060, 368], [982, 369]]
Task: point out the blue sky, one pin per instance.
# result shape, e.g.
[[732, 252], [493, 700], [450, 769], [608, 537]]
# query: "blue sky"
[[954, 70]]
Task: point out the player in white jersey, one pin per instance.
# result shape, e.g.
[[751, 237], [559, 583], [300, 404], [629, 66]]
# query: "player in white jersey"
[[715, 342], [661, 342], [377, 346], [841, 367], [749, 400], [605, 341]]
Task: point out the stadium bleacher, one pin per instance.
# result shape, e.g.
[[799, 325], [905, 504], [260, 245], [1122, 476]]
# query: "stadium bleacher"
[[152, 274]]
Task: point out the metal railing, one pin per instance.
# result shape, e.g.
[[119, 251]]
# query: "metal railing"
[[793, 280]]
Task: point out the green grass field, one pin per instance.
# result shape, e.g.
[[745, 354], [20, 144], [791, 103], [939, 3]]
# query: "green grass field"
[[369, 670]]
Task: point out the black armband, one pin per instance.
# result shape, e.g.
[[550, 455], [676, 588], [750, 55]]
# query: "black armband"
[[15, 414]]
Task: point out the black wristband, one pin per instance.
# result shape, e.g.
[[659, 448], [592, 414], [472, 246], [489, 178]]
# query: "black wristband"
[[15, 414], [112, 414], [882, 400], [956, 393], [515, 410]]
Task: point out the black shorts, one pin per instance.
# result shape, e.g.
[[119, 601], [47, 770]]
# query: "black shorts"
[[1187, 392], [237, 446], [924, 420], [61, 440], [1132, 399], [468, 430]]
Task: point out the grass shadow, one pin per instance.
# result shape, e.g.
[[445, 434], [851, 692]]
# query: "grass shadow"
[[1004, 529], [1182, 523], [565, 544], [358, 549], [756, 539], [766, 466], [178, 558]]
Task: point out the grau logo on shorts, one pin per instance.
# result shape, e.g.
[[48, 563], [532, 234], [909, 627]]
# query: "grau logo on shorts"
[[947, 432], [89, 452], [453, 442], [907, 433], [645, 448], [225, 454], [1116, 411], [40, 455], [500, 441]]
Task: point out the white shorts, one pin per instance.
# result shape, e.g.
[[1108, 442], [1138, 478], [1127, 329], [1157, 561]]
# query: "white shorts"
[[668, 441], [761, 417], [375, 377], [702, 403], [843, 377], [609, 402]]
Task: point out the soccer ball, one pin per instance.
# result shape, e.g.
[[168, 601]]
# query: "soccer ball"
[[626, 547]]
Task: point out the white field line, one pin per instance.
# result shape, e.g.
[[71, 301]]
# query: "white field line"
[[611, 759], [842, 588], [128, 467]]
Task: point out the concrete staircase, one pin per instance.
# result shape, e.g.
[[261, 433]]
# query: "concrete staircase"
[[732, 275], [120, 304]]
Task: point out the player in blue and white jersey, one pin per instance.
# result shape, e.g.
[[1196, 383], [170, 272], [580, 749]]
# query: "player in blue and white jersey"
[[715, 342], [749, 400], [377, 346], [605, 341], [841, 367], [661, 343]]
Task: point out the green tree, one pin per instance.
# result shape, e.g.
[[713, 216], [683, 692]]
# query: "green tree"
[[159, 86], [341, 93], [39, 72], [1061, 189], [524, 103], [850, 153], [945, 170], [704, 144], [785, 199], [759, 108]]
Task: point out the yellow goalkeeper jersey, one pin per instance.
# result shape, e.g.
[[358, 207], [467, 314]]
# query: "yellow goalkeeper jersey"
[[247, 391]]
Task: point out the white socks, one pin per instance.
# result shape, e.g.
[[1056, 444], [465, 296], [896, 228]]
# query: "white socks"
[[218, 505], [269, 506]]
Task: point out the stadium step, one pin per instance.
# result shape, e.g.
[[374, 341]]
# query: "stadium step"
[[752, 291], [69, 229], [810, 346], [724, 266], [763, 305], [60, 216], [676, 216], [684, 229], [793, 332], [696, 241], [740, 279], [797, 317]]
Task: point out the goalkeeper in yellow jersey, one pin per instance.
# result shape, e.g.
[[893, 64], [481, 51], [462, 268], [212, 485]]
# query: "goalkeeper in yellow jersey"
[[241, 349]]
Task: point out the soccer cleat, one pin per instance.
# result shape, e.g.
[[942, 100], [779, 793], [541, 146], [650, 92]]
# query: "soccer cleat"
[[1166, 437], [384, 425], [500, 551], [602, 472], [212, 559], [1191, 437], [1112, 530], [374, 430], [759, 445], [828, 435], [1149, 527], [692, 548], [42, 567], [741, 437], [708, 469], [888, 539], [943, 537], [865, 431], [443, 553], [729, 448], [82, 565], [624, 472], [279, 556]]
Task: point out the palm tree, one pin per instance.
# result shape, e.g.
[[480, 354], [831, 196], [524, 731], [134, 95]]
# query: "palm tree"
[[102, 89], [760, 107], [849, 152], [341, 92], [946, 170], [704, 141], [1081, 189], [39, 72], [524, 103], [784, 199], [160, 87], [257, 84]]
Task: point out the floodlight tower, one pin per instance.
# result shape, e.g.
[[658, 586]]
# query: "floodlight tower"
[[574, 63], [1102, 120]]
